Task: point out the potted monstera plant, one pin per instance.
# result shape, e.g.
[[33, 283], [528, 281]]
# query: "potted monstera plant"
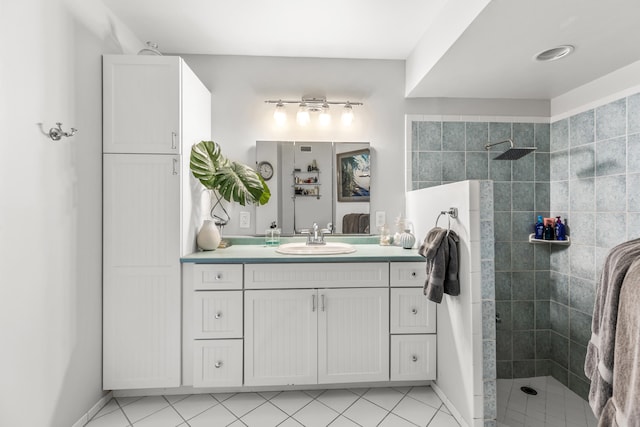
[[227, 180]]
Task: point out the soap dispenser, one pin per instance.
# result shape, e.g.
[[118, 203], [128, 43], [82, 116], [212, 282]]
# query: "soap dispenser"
[[560, 230]]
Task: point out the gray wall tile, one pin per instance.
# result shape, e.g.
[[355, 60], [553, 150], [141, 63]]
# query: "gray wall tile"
[[499, 132], [582, 161], [523, 314], [559, 287], [477, 165], [611, 193], [582, 227], [633, 113], [611, 119], [582, 294], [582, 128], [559, 197], [430, 166], [543, 165], [477, 134], [611, 229], [611, 156], [580, 327], [542, 136], [429, 136], [453, 166], [633, 153], [582, 195], [582, 261], [503, 285], [522, 348], [559, 165], [522, 225], [499, 170], [523, 285], [542, 196], [559, 135], [543, 319], [559, 316], [523, 196], [543, 282], [559, 349], [525, 169], [453, 136], [502, 196], [521, 256]]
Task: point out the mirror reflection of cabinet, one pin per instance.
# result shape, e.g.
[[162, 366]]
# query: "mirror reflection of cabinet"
[[304, 187]]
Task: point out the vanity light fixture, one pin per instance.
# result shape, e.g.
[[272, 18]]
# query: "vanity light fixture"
[[308, 105]]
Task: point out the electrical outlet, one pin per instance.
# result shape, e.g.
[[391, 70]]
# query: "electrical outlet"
[[381, 218], [245, 219]]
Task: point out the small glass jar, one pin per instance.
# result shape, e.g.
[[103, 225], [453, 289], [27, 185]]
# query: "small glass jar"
[[385, 236]]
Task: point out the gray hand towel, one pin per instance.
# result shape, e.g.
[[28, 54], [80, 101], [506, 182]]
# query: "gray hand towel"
[[441, 251], [623, 408], [599, 363]]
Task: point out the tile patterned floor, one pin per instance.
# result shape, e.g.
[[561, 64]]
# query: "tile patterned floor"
[[384, 407], [553, 406]]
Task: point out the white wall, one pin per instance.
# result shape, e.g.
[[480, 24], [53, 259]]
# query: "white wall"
[[459, 318], [50, 207]]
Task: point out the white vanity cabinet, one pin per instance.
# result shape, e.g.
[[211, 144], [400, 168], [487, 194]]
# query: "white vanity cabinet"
[[306, 323], [212, 325], [413, 324], [154, 109]]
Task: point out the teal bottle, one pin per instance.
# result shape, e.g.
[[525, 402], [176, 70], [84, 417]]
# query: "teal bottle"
[[539, 228]]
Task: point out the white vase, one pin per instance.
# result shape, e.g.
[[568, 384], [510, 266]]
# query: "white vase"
[[208, 236]]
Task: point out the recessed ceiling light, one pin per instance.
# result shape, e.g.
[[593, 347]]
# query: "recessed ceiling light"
[[554, 53]]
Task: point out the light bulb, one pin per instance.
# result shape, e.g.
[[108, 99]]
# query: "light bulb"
[[280, 115], [347, 114], [303, 117], [324, 117]]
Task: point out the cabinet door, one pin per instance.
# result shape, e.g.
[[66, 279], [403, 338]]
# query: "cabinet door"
[[353, 335], [141, 289], [280, 337], [412, 312], [141, 104]]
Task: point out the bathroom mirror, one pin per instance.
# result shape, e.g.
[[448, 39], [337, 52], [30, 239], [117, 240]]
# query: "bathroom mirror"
[[321, 182]]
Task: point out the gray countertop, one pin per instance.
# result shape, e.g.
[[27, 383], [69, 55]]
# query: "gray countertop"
[[253, 254]]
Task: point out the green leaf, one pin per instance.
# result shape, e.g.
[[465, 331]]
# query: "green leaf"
[[233, 181]]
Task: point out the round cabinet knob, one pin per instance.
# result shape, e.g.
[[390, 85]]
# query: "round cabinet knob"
[[218, 315], [414, 310], [219, 276], [413, 274], [218, 364], [414, 358]]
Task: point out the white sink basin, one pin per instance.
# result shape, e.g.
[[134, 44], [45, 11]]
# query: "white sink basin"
[[330, 248]]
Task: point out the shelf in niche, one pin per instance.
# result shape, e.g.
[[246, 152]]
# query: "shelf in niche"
[[533, 240]]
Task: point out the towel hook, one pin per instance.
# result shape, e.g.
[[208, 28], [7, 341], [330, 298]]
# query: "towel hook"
[[451, 213], [57, 133]]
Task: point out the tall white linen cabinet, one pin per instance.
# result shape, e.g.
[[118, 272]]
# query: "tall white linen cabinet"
[[154, 110]]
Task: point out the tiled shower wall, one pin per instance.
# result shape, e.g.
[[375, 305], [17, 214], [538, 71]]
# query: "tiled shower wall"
[[445, 151], [595, 182], [587, 170]]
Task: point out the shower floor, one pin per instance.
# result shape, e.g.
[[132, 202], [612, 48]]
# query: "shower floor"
[[554, 405]]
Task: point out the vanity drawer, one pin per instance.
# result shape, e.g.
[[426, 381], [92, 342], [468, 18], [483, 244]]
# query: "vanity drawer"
[[216, 276], [408, 273], [217, 314], [316, 275], [412, 312], [413, 357], [217, 363]]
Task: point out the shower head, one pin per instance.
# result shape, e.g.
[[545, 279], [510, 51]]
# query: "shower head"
[[513, 153]]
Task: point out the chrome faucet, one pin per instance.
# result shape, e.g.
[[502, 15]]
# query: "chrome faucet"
[[315, 236]]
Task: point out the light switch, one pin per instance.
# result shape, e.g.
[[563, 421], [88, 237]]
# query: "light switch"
[[245, 219]]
